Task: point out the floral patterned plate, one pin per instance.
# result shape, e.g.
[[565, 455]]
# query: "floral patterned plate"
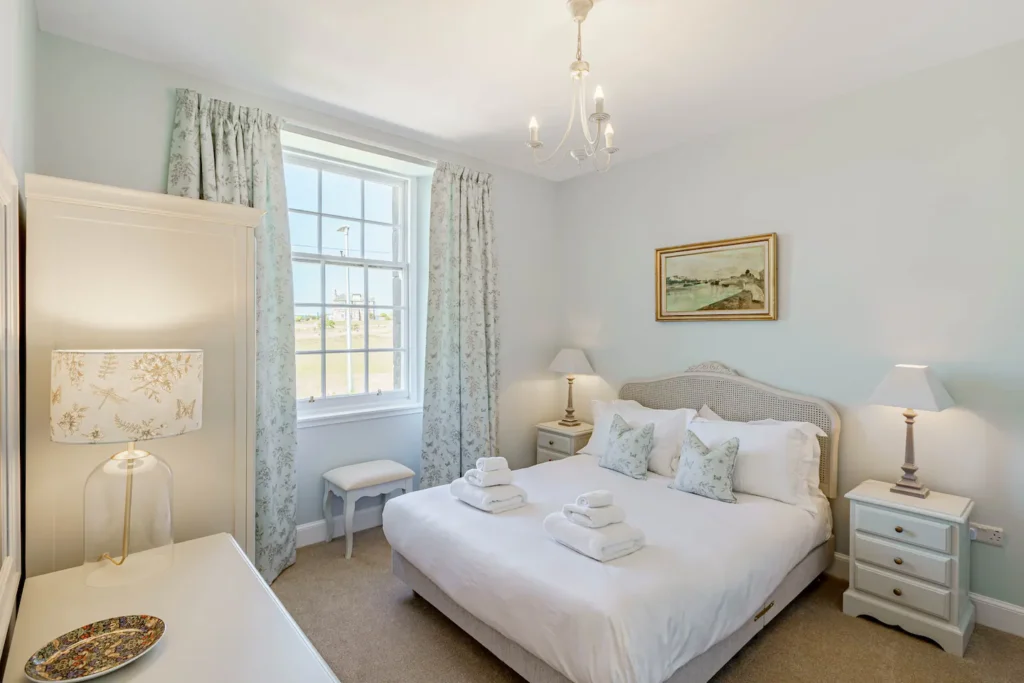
[[95, 649]]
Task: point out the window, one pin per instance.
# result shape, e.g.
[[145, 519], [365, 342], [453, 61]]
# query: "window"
[[353, 276]]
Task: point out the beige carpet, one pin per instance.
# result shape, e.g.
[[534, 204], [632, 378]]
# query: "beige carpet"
[[371, 629]]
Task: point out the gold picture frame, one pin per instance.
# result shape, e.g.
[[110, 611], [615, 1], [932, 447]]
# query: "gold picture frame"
[[734, 279]]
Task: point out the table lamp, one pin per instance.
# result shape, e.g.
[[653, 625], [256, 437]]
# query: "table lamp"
[[570, 362], [911, 387], [126, 396]]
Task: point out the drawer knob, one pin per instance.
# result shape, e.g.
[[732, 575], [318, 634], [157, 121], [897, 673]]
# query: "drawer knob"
[[551, 443], [898, 560], [897, 592], [899, 530]]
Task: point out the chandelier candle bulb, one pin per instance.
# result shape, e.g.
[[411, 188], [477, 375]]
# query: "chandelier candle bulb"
[[599, 100], [609, 136], [534, 129]]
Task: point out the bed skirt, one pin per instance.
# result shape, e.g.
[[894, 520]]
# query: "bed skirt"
[[700, 669]]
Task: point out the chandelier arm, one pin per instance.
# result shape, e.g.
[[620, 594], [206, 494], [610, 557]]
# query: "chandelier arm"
[[568, 130], [591, 142]]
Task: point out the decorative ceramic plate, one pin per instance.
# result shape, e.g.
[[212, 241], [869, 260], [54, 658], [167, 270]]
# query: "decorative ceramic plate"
[[95, 649]]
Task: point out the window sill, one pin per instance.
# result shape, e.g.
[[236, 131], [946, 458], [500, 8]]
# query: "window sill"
[[343, 415]]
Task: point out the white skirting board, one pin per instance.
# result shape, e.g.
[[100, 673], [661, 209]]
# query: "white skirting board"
[[313, 532], [1002, 616]]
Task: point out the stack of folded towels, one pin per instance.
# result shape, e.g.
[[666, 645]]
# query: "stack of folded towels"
[[489, 487], [595, 527]]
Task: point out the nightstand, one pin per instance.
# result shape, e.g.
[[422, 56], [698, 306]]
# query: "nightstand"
[[555, 441], [910, 563]]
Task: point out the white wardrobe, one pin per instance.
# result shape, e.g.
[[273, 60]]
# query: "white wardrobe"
[[113, 268]]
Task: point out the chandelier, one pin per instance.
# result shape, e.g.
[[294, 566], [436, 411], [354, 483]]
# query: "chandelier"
[[597, 146]]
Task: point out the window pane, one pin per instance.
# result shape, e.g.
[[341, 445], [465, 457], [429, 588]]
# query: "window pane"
[[307, 376], [385, 371], [302, 227], [345, 284], [306, 281], [341, 195], [380, 202], [307, 328], [385, 287], [342, 238], [382, 242], [300, 186], [346, 374], [346, 328], [385, 328]]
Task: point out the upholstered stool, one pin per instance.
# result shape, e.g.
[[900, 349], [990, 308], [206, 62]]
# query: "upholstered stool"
[[352, 482]]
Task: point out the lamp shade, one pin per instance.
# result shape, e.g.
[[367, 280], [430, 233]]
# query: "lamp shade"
[[571, 362], [912, 386], [119, 396]]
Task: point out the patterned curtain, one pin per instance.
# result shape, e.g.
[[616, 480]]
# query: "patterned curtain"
[[231, 154], [460, 401]]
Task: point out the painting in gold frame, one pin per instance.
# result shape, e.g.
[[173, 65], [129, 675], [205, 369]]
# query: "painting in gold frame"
[[724, 280]]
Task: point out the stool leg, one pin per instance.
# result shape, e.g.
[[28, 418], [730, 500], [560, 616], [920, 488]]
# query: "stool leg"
[[328, 517], [350, 510]]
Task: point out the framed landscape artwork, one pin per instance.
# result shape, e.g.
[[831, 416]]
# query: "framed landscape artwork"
[[724, 280]]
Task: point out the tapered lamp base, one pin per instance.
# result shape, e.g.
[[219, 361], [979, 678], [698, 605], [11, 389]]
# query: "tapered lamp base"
[[570, 413], [908, 485]]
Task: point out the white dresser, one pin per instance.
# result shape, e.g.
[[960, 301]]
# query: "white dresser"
[[555, 441], [223, 621], [910, 563]]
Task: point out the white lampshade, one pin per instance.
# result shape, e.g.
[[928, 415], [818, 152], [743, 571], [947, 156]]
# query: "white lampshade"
[[571, 362], [118, 396], [912, 386]]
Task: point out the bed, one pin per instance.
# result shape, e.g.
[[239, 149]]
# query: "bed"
[[711, 576]]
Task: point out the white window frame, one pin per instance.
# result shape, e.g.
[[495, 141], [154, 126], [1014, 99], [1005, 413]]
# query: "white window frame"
[[330, 409]]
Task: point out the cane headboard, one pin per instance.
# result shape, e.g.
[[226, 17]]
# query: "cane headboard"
[[737, 398]]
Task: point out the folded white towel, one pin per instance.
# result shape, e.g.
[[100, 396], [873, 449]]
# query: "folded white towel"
[[595, 499], [486, 479], [593, 518], [607, 543], [491, 464], [491, 499]]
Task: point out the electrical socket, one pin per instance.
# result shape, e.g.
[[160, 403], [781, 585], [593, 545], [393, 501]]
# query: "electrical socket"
[[983, 533]]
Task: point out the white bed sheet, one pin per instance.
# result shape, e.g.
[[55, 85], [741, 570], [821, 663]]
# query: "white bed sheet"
[[706, 569]]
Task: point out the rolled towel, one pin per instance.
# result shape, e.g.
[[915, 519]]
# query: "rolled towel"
[[595, 499], [487, 479], [608, 543], [494, 499], [593, 518], [491, 464]]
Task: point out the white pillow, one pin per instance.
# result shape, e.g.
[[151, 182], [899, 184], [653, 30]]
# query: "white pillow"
[[813, 431], [774, 460], [669, 428], [706, 413]]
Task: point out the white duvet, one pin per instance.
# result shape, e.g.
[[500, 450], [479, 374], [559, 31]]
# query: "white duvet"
[[706, 569]]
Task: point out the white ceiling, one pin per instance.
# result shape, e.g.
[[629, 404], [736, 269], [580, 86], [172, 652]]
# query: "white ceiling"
[[467, 74]]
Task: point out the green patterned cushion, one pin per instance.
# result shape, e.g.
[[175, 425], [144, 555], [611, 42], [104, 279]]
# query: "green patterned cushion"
[[707, 472], [629, 448]]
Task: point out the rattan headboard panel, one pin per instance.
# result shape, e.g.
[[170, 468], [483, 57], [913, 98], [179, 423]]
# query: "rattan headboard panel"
[[737, 398]]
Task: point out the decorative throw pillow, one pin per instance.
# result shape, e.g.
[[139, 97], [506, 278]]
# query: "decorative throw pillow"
[[707, 471], [629, 448]]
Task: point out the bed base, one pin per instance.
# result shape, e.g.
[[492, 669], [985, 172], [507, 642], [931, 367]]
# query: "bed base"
[[698, 670]]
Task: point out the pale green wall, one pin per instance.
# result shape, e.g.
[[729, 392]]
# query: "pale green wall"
[[17, 82], [900, 214]]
